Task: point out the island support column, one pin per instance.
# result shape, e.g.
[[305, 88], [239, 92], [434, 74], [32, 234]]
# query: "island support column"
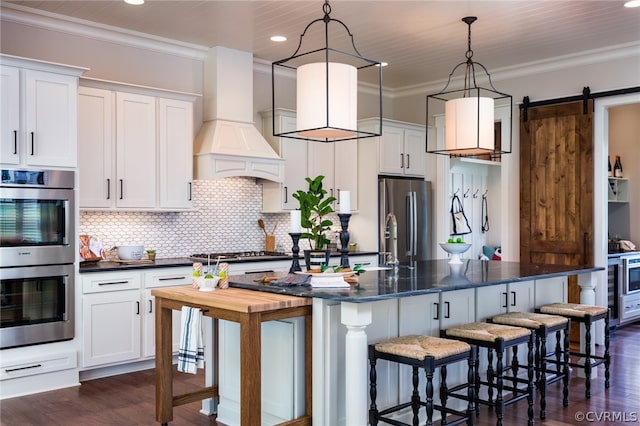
[[587, 283], [356, 317]]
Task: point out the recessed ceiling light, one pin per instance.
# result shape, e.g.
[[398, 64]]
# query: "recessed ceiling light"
[[632, 3], [134, 2], [278, 38]]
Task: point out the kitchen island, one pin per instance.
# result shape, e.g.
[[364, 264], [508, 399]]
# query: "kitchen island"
[[385, 303], [423, 299]]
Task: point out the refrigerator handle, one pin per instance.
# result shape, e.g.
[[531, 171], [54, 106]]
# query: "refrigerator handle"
[[411, 224]]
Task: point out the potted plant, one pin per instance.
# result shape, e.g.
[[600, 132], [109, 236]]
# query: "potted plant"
[[315, 205]]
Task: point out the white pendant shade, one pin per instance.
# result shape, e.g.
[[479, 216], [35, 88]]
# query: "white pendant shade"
[[469, 125], [313, 95]]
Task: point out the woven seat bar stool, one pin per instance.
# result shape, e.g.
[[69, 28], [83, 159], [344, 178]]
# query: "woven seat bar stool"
[[544, 325], [430, 354], [587, 315], [499, 338]]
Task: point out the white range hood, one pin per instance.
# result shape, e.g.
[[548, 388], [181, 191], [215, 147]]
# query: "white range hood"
[[228, 143]]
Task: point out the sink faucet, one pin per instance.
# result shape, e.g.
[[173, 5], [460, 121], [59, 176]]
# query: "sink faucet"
[[391, 235]]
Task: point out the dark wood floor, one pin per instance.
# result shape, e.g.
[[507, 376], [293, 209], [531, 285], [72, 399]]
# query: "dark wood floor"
[[129, 399]]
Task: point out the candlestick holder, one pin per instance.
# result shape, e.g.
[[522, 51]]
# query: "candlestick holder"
[[344, 239], [295, 250]]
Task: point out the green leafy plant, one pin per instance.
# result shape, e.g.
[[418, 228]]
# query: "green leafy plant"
[[315, 205]]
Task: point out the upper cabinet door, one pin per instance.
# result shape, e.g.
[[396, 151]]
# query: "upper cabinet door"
[[96, 147], [294, 152], [414, 152], [51, 105], [136, 151], [175, 153], [391, 150], [10, 115]]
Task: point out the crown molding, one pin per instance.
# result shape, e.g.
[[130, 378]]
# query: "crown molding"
[[621, 51], [64, 24]]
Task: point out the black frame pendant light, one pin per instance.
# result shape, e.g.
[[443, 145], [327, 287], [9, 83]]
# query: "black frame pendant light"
[[469, 112], [326, 85]]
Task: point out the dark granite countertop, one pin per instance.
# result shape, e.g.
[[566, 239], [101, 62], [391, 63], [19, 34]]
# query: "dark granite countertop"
[[106, 266], [432, 276]]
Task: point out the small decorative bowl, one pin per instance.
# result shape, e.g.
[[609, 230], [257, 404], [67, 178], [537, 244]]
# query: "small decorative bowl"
[[455, 250]]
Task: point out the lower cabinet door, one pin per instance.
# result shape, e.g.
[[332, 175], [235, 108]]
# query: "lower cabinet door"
[[149, 336], [111, 327]]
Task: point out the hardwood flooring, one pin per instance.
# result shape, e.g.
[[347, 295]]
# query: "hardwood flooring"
[[129, 399]]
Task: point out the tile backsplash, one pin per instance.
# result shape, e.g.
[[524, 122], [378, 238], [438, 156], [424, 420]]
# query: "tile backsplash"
[[224, 218]]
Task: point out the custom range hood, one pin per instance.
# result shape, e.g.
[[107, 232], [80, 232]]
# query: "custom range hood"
[[228, 144]]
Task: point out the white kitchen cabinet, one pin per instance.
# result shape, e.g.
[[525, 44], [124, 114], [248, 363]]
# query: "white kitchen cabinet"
[[118, 314], [111, 327], [278, 196], [135, 149], [503, 298], [401, 147], [457, 307], [136, 162], [163, 277], [550, 290], [338, 163], [10, 110], [96, 148], [39, 113], [175, 153]]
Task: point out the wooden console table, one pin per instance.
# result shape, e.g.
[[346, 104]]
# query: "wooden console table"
[[247, 307]]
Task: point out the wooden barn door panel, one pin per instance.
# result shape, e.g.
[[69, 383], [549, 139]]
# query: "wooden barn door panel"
[[556, 182]]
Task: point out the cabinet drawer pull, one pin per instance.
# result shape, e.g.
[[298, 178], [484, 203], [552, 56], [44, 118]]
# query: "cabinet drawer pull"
[[33, 136], [190, 191], [114, 283], [437, 309], [150, 306], [108, 188], [15, 141], [402, 161], [138, 308], [121, 188], [448, 306], [513, 293], [11, 370], [408, 161], [506, 300], [171, 278]]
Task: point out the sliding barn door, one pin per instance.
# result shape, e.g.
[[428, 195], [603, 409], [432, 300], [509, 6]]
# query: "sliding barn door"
[[556, 186]]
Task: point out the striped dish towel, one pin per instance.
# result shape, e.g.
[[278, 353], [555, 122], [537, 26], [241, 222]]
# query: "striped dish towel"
[[191, 351]]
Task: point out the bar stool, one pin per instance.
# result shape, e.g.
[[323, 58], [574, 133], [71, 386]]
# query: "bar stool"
[[587, 315], [429, 353], [499, 338], [543, 325]]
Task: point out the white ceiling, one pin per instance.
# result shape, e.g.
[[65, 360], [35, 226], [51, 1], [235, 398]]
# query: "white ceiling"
[[421, 40]]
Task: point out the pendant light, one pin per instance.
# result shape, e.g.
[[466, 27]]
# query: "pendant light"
[[326, 84], [469, 112]]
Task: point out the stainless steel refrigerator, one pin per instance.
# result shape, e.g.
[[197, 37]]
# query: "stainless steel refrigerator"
[[405, 218]]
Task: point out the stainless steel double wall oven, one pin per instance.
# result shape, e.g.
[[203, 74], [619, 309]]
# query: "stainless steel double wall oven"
[[37, 254]]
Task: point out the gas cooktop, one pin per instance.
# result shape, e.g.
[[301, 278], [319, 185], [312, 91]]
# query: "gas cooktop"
[[240, 256]]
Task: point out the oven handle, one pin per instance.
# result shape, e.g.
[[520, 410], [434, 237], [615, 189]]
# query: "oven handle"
[[67, 224]]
